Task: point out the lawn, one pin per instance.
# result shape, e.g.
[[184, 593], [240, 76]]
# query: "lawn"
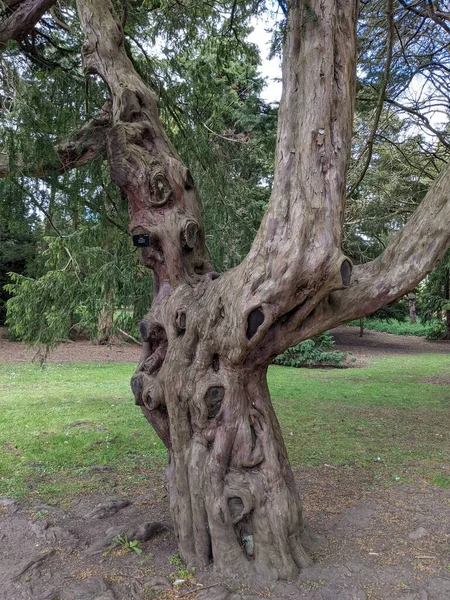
[[62, 425]]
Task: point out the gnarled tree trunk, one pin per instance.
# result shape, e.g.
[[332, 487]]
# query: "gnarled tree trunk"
[[208, 339]]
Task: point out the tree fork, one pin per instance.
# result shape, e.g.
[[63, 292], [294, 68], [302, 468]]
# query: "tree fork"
[[232, 492], [208, 339]]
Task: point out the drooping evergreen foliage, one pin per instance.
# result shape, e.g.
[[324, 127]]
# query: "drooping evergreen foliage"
[[435, 299], [209, 100], [206, 74], [318, 352]]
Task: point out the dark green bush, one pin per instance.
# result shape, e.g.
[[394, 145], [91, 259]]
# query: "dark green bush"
[[317, 352], [398, 327], [436, 330]]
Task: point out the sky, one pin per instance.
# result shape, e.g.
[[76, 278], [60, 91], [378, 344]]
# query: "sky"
[[270, 69]]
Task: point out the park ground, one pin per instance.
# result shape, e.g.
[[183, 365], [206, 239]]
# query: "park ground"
[[79, 466]]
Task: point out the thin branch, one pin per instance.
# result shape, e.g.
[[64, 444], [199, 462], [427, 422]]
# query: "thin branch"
[[136, 341], [422, 118], [40, 207], [60, 22], [222, 136]]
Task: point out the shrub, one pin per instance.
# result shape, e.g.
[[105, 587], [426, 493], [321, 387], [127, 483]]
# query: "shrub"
[[394, 326], [436, 330], [317, 352]]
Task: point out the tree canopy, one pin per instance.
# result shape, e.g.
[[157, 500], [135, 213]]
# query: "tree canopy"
[[206, 76]]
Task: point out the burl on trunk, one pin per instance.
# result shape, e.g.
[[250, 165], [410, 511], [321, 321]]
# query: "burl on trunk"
[[208, 339]]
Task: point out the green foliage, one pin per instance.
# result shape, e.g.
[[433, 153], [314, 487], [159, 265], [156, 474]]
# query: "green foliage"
[[197, 58], [90, 272], [209, 88], [436, 330], [399, 311], [226, 136], [182, 572], [394, 326], [435, 298], [19, 233], [319, 351], [128, 545]]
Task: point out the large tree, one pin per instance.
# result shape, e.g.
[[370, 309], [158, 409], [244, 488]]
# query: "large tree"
[[208, 339]]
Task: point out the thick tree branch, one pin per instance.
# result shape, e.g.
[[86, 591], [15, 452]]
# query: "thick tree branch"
[[296, 258], [410, 255], [162, 198], [21, 21], [85, 145]]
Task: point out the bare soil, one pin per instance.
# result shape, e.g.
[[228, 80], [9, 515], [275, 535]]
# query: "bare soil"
[[80, 351], [375, 343], [380, 543]]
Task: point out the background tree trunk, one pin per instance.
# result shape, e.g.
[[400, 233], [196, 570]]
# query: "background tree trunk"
[[106, 319], [412, 307], [447, 297]]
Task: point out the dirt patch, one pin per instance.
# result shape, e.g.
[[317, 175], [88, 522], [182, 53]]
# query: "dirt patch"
[[81, 351], [439, 380], [347, 339], [383, 544], [374, 343]]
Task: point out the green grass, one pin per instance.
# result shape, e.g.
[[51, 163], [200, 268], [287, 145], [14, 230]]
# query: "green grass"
[[355, 416], [59, 421], [395, 327]]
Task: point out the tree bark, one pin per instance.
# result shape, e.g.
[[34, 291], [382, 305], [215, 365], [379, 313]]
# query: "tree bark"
[[447, 311], [24, 16], [412, 307], [106, 320], [201, 381]]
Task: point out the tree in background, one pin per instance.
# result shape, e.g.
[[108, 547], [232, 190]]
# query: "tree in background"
[[209, 101], [209, 337], [435, 298]]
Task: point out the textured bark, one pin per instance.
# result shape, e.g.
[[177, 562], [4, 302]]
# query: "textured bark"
[[20, 18], [412, 307], [106, 320], [201, 381], [447, 312]]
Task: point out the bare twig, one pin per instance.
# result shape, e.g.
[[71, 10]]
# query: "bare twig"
[[206, 587], [136, 341]]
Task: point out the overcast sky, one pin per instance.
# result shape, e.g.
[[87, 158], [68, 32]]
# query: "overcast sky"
[[270, 69]]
